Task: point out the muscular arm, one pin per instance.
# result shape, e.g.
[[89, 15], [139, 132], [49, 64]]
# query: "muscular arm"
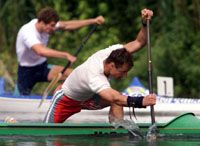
[[116, 97], [113, 96], [48, 52], [75, 24], [141, 38], [138, 43]]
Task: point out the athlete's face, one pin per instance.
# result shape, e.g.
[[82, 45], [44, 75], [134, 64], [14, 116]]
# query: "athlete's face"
[[119, 72], [49, 27]]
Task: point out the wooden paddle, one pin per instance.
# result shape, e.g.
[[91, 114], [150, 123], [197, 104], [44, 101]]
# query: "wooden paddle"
[[153, 130], [150, 75], [58, 77]]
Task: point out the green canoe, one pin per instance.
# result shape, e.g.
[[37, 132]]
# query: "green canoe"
[[186, 124], [67, 129]]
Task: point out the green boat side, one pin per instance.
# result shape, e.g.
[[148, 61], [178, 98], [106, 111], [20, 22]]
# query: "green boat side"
[[185, 124], [67, 129]]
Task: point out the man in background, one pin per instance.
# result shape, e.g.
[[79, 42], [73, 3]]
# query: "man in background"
[[32, 50]]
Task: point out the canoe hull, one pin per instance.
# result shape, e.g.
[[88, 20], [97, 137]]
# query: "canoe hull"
[[70, 129], [184, 125]]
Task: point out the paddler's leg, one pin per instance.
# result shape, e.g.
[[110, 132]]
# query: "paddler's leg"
[[116, 113], [95, 103], [62, 107], [29, 76]]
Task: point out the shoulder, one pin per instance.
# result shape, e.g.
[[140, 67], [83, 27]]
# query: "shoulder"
[[114, 47], [28, 30], [108, 50], [29, 26]]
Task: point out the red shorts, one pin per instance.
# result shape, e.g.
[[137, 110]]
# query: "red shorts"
[[62, 107]]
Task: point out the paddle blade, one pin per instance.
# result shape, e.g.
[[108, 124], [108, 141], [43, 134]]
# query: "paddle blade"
[[50, 88], [42, 100], [152, 132]]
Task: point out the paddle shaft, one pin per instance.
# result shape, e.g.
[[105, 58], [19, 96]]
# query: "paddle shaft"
[[150, 75], [80, 47]]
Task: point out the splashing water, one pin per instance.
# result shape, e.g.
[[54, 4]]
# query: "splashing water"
[[130, 126], [152, 133]]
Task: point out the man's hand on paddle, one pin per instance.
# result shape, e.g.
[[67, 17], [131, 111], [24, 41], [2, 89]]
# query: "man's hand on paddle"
[[149, 100], [146, 14], [71, 58], [99, 20]]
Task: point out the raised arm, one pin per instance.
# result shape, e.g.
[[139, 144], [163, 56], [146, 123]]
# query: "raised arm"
[[75, 24], [141, 38]]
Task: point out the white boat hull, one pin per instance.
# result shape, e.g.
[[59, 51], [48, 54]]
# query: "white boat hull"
[[27, 110]]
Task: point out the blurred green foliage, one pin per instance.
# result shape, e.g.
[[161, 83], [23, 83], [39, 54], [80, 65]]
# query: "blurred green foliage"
[[174, 36]]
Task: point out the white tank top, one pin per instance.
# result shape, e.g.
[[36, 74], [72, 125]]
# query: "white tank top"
[[26, 38], [88, 78]]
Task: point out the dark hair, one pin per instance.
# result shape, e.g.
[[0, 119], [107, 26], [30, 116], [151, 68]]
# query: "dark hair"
[[48, 15], [120, 57]]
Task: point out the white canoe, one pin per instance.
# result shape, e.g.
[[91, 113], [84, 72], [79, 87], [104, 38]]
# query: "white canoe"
[[25, 108]]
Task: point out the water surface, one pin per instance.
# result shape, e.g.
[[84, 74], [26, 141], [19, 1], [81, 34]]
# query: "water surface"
[[93, 141]]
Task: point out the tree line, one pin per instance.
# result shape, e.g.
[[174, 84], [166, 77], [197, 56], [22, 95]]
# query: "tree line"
[[174, 34]]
